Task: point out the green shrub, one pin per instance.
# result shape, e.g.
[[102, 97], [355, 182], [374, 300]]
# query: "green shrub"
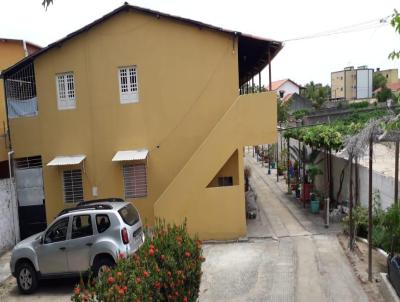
[[299, 114], [359, 105], [166, 268]]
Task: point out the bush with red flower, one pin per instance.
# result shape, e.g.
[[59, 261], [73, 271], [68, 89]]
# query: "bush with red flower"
[[166, 268]]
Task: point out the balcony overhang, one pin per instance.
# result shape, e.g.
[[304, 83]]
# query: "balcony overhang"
[[254, 55]]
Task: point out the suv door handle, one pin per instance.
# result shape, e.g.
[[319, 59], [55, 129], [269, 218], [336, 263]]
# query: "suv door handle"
[[62, 248], [89, 244]]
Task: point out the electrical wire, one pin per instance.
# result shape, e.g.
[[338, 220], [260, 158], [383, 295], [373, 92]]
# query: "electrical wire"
[[367, 25]]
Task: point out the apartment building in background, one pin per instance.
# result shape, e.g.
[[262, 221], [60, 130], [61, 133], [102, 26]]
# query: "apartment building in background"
[[145, 106], [351, 83], [391, 75]]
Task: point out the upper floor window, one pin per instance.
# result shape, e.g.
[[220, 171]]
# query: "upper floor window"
[[65, 91], [128, 84]]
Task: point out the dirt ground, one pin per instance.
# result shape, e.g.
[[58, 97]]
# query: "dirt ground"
[[359, 261]]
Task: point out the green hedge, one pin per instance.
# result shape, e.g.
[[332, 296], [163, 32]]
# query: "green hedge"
[[166, 268]]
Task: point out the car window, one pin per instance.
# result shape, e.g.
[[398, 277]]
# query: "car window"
[[81, 226], [129, 214], [102, 222], [57, 232]]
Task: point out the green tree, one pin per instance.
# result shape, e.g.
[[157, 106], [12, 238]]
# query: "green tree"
[[379, 81], [46, 3], [317, 93], [384, 94], [395, 22], [282, 111]]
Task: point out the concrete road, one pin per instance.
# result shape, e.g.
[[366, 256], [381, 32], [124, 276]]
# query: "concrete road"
[[302, 261]]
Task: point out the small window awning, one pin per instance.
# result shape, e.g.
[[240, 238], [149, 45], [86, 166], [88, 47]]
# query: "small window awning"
[[129, 155], [67, 160]]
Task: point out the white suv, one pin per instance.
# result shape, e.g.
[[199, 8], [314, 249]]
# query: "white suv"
[[90, 236]]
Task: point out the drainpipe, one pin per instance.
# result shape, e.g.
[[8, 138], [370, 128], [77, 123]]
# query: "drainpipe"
[[13, 205], [25, 48]]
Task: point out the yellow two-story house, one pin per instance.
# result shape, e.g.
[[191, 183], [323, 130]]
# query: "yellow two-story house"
[[144, 106]]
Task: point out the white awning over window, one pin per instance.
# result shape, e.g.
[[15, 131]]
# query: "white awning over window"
[[129, 155], [67, 160]]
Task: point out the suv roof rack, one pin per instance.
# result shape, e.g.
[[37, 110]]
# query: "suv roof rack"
[[88, 207], [111, 199]]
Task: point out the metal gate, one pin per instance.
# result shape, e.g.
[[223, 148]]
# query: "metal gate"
[[30, 195]]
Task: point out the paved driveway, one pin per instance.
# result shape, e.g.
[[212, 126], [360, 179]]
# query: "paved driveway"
[[302, 261]]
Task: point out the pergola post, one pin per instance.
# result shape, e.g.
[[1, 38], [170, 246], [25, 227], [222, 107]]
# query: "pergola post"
[[288, 165], [351, 241], [396, 174], [370, 210]]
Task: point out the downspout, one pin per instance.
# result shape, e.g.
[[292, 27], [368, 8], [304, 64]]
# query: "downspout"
[[12, 204], [25, 48]]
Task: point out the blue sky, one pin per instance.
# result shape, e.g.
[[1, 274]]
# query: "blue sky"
[[302, 60]]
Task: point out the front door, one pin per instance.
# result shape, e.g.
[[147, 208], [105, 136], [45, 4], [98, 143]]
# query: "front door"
[[30, 195], [52, 253], [80, 244]]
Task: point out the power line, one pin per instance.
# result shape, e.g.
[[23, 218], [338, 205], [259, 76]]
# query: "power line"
[[367, 25]]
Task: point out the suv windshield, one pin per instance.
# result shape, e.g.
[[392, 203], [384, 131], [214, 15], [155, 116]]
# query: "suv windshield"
[[129, 214]]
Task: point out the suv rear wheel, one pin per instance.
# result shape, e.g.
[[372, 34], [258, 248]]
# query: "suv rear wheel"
[[26, 278], [101, 265]]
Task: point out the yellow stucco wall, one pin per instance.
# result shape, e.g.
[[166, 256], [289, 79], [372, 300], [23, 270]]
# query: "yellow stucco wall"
[[10, 53], [230, 169], [219, 212], [187, 80]]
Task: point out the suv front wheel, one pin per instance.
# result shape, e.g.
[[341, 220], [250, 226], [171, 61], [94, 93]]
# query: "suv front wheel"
[[26, 278]]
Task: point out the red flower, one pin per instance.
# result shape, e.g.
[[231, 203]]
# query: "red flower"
[[121, 292], [185, 299], [111, 280], [187, 254], [151, 246], [151, 252], [121, 255], [157, 285], [119, 274], [77, 291], [169, 274], [138, 280], [146, 274]]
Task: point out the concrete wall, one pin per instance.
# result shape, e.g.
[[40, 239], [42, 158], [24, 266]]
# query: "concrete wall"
[[8, 217], [381, 183]]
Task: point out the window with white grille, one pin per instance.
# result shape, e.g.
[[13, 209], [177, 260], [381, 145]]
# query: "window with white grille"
[[128, 84], [73, 186], [65, 91], [135, 181]]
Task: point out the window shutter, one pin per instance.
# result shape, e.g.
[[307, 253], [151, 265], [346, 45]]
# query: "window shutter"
[[73, 186], [135, 181], [128, 85], [66, 91]]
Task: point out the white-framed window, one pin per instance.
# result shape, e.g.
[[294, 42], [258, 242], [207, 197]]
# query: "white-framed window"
[[135, 181], [128, 84], [65, 84], [73, 186]]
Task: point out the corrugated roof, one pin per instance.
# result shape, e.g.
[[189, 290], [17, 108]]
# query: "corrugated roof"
[[67, 160], [129, 155], [257, 64]]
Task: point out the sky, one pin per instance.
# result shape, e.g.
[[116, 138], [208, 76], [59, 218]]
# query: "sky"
[[302, 61]]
